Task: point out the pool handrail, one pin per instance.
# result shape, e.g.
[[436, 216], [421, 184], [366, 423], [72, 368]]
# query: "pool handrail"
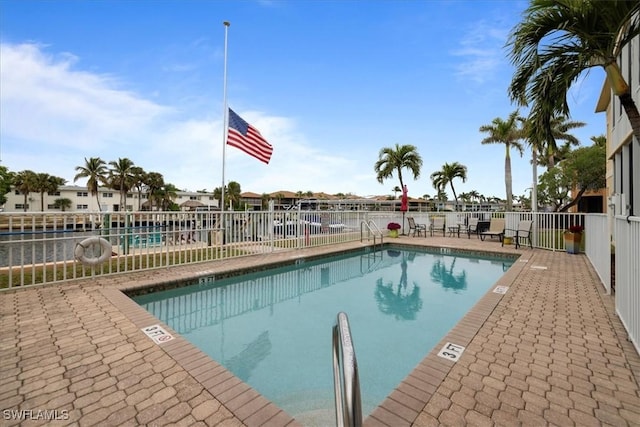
[[346, 381], [371, 226]]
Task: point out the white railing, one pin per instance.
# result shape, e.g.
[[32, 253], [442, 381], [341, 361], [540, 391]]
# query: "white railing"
[[39, 248], [598, 246], [627, 275]]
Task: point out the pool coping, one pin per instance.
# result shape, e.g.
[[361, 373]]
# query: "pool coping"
[[401, 407], [405, 403]]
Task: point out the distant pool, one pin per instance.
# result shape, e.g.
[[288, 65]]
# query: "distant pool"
[[272, 329]]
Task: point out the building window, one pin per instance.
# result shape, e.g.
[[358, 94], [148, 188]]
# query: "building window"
[[17, 193], [82, 194], [82, 207], [55, 193], [107, 195], [20, 206], [52, 207], [193, 198]]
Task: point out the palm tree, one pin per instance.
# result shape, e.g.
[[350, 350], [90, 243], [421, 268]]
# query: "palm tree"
[[95, 170], [6, 180], [265, 197], [217, 194], [475, 196], [559, 39], [395, 159], [233, 193], [62, 203], [154, 181], [166, 195], [45, 183], [505, 132], [138, 176], [121, 179], [560, 127], [446, 176], [396, 190], [24, 183]]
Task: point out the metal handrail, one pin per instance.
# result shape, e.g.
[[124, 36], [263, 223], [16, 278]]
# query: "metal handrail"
[[346, 381], [370, 225]]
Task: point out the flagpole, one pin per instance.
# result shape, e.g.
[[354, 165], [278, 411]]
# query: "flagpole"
[[225, 115]]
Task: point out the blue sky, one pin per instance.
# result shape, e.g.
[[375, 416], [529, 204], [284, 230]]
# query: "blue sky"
[[328, 83]]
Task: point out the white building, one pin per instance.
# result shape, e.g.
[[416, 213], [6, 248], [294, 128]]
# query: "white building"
[[83, 201], [623, 150]]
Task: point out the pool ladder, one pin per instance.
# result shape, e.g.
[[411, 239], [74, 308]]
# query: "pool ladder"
[[372, 229], [346, 382]]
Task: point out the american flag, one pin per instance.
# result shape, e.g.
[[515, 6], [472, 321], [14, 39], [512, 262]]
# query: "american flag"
[[247, 138]]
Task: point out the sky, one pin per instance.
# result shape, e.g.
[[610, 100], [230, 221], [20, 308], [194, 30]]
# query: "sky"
[[327, 83]]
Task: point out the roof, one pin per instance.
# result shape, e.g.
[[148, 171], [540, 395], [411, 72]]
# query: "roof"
[[192, 204]]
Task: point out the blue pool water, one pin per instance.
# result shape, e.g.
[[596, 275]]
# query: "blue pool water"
[[272, 329]]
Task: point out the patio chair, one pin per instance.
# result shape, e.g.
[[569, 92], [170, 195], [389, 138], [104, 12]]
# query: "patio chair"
[[472, 227], [417, 228], [496, 229], [523, 232], [437, 225]]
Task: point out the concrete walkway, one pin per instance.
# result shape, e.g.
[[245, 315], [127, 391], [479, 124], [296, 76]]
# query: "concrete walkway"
[[549, 351]]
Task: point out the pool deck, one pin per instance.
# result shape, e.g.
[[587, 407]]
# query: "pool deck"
[[548, 351]]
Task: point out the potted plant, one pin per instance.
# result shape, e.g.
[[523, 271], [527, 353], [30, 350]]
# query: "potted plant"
[[393, 228], [573, 239]]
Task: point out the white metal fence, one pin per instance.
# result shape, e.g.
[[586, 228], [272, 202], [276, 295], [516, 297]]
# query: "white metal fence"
[[627, 275], [598, 246], [38, 248]]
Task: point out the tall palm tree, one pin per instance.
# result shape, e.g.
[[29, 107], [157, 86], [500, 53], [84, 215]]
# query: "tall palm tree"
[[138, 176], [559, 39], [121, 178], [96, 171], [446, 175], [475, 196], [560, 127], [547, 145], [233, 193], [167, 194], [154, 181], [24, 183], [45, 183], [505, 132], [395, 159]]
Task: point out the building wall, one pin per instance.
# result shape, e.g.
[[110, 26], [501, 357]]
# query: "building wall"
[[623, 150], [83, 201]]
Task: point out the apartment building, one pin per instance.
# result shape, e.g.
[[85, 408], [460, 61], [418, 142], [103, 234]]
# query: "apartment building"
[[83, 201], [623, 150]]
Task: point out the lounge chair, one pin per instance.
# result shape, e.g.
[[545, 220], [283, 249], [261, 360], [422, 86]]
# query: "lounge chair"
[[496, 229], [417, 228], [437, 225], [472, 227], [523, 232]]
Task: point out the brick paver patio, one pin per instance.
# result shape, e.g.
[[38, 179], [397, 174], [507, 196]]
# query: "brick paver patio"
[[551, 351]]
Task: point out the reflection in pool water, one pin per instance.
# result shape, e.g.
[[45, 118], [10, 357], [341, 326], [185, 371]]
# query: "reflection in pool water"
[[273, 328]]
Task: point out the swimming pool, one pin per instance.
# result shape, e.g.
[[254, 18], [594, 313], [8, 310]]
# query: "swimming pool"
[[272, 329]]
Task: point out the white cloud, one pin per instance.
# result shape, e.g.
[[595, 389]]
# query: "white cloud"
[[481, 50], [54, 115]]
